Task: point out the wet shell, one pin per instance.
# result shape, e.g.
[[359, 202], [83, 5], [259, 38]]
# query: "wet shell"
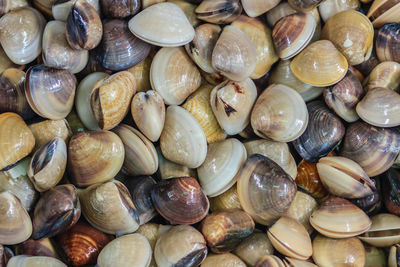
[[308, 179], [283, 9], [34, 261], [182, 140], [383, 11], [219, 12], [255, 8], [46, 130], [339, 218], [173, 75], [329, 8], [162, 24], [280, 114], [227, 200], [218, 172], [50, 92], [21, 34], [265, 189], [254, 247], [388, 43], [319, 64], [120, 8], [15, 223], [234, 54], [384, 231], [385, 74], [180, 200], [374, 149], [298, 263], [94, 157]]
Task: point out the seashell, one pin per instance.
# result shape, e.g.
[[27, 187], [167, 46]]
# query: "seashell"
[[21, 34], [280, 114], [261, 37], [374, 149], [132, 250], [385, 74], [231, 103], [141, 72], [15, 223], [41, 247], [339, 218], [308, 180], [16, 139], [265, 189], [140, 154], [375, 256], [283, 9], [199, 105], [44, 6], [393, 257], [390, 193], [370, 204], [188, 9], [47, 130], [94, 157], [301, 208], [254, 247], [338, 252], [109, 208], [223, 260], [388, 43], [290, 238], [182, 140], [47, 166], [384, 231], [61, 8], [352, 33], [119, 48], [120, 9], [224, 230], [151, 231], [219, 12], [298, 263], [163, 24], [218, 172], [34, 261], [269, 261], [180, 200], [304, 5], [330, 8], [324, 132], [111, 97], [181, 245], [319, 64], [50, 92], [292, 33], [227, 200], [168, 169], [64, 212], [383, 11], [282, 74], [173, 75], [255, 8], [201, 47], [6, 63], [84, 28], [56, 51], [82, 243], [276, 151], [367, 66], [344, 96], [213, 78], [234, 54]]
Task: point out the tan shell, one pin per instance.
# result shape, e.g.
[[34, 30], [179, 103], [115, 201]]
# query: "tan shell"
[[384, 11], [162, 24], [6, 63], [261, 37], [219, 11], [141, 72], [234, 54], [46, 130], [231, 103], [188, 9], [280, 113], [173, 75], [328, 8], [269, 261], [385, 74], [254, 247], [168, 169], [222, 260], [289, 262], [255, 8], [283, 9], [16, 139], [319, 64], [228, 200], [182, 139], [61, 9], [34, 261], [384, 231]]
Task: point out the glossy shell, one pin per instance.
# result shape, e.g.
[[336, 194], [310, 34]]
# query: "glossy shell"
[[227, 200], [387, 43], [254, 247], [308, 179], [219, 12], [46, 130], [329, 8], [254, 8], [385, 74], [383, 11], [384, 231]]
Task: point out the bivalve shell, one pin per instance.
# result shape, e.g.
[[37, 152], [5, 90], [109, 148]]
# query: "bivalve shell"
[[227, 200], [34, 261], [388, 43], [120, 8], [384, 11], [269, 261], [46, 130], [385, 74], [308, 180], [254, 247], [384, 231], [329, 8], [218, 11], [255, 8]]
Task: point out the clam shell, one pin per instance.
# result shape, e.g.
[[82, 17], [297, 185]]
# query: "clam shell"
[[265, 189], [41, 247], [120, 8], [298, 263], [34, 261], [280, 114], [283, 9], [329, 8], [168, 169], [61, 8], [392, 258], [46, 130], [308, 180], [269, 261], [385, 74], [255, 8], [182, 140], [304, 5], [383, 11], [219, 12], [189, 10], [339, 218], [254, 247], [162, 24], [388, 43], [390, 191], [6, 63], [218, 172], [234, 54], [319, 64], [141, 72], [173, 75], [16, 139], [228, 200], [384, 231]]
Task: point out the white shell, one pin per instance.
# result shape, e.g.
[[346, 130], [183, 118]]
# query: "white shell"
[[34, 261]]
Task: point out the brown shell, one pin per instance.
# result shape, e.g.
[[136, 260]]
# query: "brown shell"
[[388, 43], [308, 179], [46, 130], [219, 12], [41, 247], [120, 8]]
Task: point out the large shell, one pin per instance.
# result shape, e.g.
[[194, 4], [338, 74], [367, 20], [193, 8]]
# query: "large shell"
[[16, 139], [265, 189], [339, 218], [324, 132], [94, 157], [319, 64], [374, 149], [173, 75], [21, 34], [254, 247], [109, 208], [120, 8], [162, 24], [46, 130], [50, 92], [383, 11], [384, 231], [180, 200], [280, 114], [218, 172], [219, 12], [182, 140], [388, 43], [385, 74], [329, 8], [308, 180], [255, 8], [34, 261]]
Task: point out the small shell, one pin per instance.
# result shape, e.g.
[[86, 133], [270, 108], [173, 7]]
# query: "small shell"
[[254, 247], [41, 247], [383, 11], [255, 8], [168, 169], [62, 8], [6, 63], [390, 190], [269, 261], [120, 8], [304, 5], [219, 12], [308, 180], [44, 6], [46, 130], [329, 8], [34, 261], [228, 200], [141, 72], [385, 74], [283, 9], [384, 231], [388, 43]]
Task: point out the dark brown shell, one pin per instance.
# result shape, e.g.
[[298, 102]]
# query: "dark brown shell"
[[120, 8], [41, 247], [388, 42], [374, 148], [367, 66], [5, 254], [219, 11], [371, 204], [180, 200], [324, 132], [391, 191], [308, 179], [56, 211]]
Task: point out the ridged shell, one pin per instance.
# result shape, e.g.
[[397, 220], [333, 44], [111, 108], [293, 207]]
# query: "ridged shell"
[[384, 11], [308, 179], [61, 8], [141, 72], [219, 11], [227, 200], [120, 8], [46, 130], [388, 43], [255, 8]]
